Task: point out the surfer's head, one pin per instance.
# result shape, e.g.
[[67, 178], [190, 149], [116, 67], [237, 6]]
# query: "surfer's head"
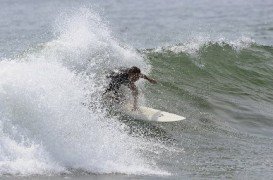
[[134, 73]]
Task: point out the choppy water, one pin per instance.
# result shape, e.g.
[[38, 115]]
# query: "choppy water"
[[214, 64]]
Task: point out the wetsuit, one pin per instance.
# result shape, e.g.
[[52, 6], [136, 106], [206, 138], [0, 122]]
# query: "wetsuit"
[[118, 79]]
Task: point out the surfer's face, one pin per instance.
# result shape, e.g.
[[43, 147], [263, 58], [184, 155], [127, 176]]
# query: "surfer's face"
[[134, 76]]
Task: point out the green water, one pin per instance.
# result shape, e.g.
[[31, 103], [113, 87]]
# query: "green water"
[[216, 77]]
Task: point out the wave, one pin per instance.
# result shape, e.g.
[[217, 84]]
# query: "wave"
[[249, 64], [44, 127], [232, 80]]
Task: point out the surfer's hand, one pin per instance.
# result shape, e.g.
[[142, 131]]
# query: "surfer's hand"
[[147, 78]]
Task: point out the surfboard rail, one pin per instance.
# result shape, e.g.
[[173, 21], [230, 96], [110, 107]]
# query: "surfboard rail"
[[150, 114]]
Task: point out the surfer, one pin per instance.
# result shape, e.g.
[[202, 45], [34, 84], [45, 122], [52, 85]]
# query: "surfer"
[[126, 77]]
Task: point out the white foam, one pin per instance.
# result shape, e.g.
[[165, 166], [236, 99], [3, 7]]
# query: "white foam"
[[44, 126]]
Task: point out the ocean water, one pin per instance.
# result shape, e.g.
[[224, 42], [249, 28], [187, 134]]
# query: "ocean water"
[[213, 61]]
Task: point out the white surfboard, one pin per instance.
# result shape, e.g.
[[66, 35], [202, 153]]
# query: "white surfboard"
[[150, 114]]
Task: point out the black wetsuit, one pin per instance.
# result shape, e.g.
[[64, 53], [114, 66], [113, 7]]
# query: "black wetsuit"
[[118, 79]]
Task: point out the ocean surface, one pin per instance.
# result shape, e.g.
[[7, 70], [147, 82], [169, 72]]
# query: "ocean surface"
[[213, 61]]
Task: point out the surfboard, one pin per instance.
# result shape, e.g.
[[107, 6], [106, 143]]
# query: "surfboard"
[[150, 114]]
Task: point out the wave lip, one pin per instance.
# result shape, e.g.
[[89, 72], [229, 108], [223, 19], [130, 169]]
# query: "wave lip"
[[193, 45]]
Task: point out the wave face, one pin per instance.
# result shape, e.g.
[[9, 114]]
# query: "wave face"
[[224, 89], [44, 128], [231, 79]]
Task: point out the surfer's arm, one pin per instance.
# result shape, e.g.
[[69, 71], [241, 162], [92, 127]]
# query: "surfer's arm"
[[149, 79], [134, 90]]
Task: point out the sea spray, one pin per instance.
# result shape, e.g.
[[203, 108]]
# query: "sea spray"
[[42, 95]]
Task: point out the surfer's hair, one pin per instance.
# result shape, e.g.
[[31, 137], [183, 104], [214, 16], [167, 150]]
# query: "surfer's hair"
[[134, 70]]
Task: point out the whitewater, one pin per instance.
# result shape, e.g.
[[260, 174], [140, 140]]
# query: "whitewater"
[[45, 128]]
